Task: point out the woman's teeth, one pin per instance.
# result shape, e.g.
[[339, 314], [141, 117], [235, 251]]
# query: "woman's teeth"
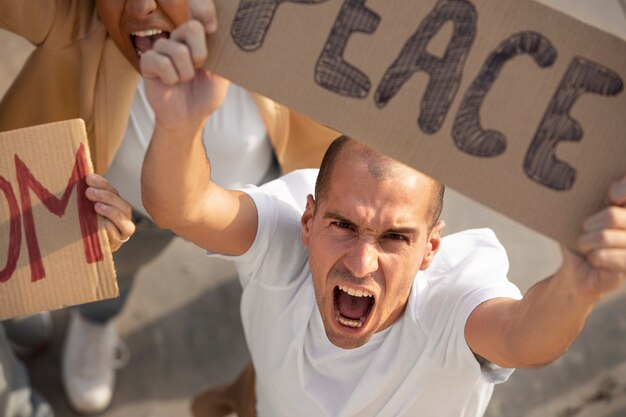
[[148, 32]]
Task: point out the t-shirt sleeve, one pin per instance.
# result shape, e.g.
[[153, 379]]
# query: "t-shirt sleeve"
[[277, 247], [472, 269]]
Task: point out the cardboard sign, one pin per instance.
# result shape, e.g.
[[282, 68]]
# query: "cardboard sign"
[[54, 250], [510, 102]]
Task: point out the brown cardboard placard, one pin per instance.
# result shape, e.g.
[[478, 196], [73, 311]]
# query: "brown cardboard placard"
[[54, 251], [512, 103]]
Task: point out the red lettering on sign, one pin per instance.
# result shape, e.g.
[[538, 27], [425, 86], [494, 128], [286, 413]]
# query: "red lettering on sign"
[[15, 233], [86, 214]]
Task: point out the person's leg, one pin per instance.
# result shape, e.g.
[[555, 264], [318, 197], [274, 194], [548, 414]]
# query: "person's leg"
[[237, 397], [91, 342], [29, 335], [16, 397]]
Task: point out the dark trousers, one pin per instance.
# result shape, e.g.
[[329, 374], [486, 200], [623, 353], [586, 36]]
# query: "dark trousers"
[[146, 244]]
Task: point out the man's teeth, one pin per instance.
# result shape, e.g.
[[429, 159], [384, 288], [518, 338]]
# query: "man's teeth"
[[348, 322], [356, 292], [149, 32]]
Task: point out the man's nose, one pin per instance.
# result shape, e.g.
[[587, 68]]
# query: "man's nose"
[[362, 258], [140, 8]]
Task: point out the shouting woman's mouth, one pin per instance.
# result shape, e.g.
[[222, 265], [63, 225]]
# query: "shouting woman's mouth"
[[352, 306], [144, 40]]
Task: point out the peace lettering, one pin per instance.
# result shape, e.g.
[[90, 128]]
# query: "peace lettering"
[[332, 72]]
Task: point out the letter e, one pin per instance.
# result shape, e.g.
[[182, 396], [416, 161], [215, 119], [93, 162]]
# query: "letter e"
[[332, 71], [557, 125]]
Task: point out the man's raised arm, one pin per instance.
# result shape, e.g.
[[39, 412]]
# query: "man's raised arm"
[[539, 328], [175, 180]]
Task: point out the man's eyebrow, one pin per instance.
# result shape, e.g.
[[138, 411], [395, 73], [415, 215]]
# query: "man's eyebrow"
[[337, 216], [397, 230], [402, 230]]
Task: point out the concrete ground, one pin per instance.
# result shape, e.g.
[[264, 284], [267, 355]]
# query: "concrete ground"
[[183, 330]]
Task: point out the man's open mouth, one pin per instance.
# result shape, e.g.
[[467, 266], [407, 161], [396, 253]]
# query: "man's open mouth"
[[352, 306], [144, 40]]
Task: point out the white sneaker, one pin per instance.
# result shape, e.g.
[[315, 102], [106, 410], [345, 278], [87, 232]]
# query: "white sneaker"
[[91, 354]]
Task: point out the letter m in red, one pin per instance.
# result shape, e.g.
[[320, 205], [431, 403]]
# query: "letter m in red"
[[86, 214]]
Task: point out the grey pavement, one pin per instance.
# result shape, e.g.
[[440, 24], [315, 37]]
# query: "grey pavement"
[[183, 329]]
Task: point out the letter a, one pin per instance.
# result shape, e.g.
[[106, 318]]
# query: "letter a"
[[445, 73]]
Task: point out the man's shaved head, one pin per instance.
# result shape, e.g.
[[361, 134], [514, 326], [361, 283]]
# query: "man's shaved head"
[[380, 166]]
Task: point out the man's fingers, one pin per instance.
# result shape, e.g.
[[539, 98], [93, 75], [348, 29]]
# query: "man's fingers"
[[175, 59], [192, 35], [157, 66], [179, 57], [204, 11], [617, 192], [612, 259], [612, 217], [606, 238], [603, 241]]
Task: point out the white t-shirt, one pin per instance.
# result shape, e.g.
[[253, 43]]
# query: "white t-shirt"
[[234, 137], [420, 366]]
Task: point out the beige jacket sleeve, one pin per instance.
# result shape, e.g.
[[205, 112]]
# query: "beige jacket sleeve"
[[75, 71], [299, 142], [30, 19]]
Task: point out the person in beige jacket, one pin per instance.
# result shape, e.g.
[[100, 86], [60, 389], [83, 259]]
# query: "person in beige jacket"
[[85, 65]]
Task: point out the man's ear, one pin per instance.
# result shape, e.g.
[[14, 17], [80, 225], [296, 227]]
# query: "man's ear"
[[433, 244], [307, 218]]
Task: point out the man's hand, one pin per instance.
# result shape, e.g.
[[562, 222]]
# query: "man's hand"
[[541, 327], [204, 11], [115, 210], [182, 93], [602, 267]]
